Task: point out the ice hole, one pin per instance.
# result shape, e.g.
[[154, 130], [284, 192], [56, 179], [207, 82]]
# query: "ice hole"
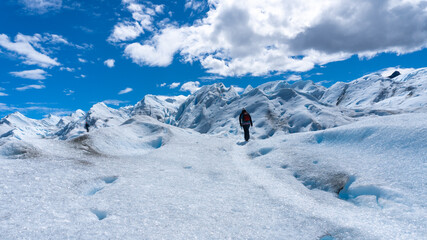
[[109, 179], [327, 237], [94, 190], [157, 143], [99, 213]]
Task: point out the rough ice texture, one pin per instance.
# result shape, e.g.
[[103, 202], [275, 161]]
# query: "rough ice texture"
[[345, 172]]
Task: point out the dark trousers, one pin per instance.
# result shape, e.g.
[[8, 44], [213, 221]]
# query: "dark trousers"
[[246, 129]]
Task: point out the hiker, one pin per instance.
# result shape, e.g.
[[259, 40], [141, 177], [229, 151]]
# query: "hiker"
[[87, 126], [245, 121]]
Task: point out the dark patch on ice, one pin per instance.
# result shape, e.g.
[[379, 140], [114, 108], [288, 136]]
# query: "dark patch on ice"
[[330, 182], [83, 143], [84, 163], [261, 152], [284, 166], [94, 190], [128, 121], [268, 166], [99, 213], [110, 179], [188, 167], [394, 74], [315, 162], [342, 95]]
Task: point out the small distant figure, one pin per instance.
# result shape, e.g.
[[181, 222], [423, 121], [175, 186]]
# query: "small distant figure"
[[245, 122], [87, 126]]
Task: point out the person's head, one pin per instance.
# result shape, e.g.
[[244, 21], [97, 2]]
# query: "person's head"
[[243, 110]]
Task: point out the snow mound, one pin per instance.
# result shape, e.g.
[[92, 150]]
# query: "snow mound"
[[136, 136], [15, 148]]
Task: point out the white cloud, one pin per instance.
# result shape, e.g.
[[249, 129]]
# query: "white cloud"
[[41, 6], [293, 77], [125, 31], [158, 54], [36, 74], [68, 69], [174, 85], [23, 46], [163, 84], [126, 90], [109, 63], [159, 8], [68, 92], [114, 102], [2, 93], [56, 39], [80, 76], [239, 37], [30, 87], [82, 60], [190, 86], [142, 20], [196, 5]]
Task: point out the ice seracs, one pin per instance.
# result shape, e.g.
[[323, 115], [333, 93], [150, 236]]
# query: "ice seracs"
[[375, 92], [278, 106]]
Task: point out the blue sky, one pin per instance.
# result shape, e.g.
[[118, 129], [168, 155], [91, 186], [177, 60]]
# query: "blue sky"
[[57, 56]]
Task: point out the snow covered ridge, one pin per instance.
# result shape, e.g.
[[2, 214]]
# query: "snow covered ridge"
[[274, 106]]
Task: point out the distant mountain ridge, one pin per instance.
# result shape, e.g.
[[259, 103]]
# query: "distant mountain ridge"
[[276, 106]]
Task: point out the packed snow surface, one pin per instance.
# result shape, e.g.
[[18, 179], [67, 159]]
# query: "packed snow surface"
[[347, 162], [361, 181]]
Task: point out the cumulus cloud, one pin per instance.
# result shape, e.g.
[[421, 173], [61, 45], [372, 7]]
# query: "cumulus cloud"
[[174, 85], [126, 90], [142, 19], [36, 74], [82, 60], [190, 86], [109, 63], [41, 6], [239, 37], [160, 52], [30, 87], [23, 46]]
